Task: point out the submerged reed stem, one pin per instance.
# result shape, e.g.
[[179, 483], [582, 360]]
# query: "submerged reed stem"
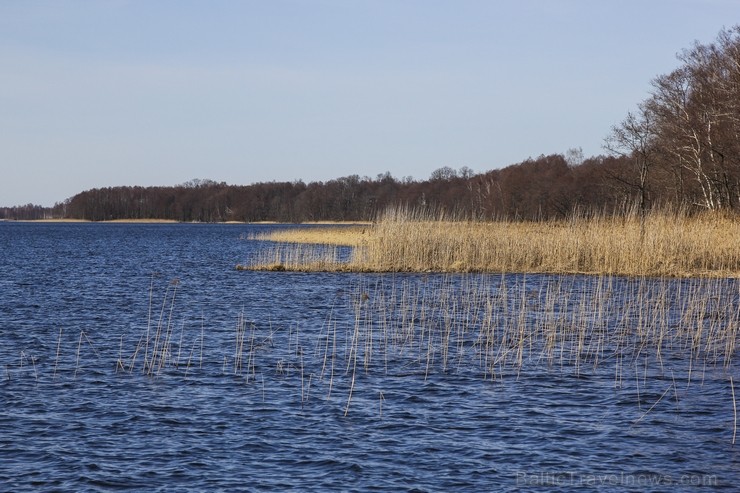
[[734, 411], [56, 359]]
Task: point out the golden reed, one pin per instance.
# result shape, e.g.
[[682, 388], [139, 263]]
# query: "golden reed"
[[663, 243]]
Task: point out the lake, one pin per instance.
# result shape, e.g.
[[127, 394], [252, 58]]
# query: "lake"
[[136, 357]]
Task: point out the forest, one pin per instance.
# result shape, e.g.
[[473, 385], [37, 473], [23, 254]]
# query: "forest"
[[680, 148]]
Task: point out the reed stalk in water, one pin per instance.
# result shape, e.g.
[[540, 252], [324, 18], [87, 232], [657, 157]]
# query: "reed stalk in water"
[[734, 411], [56, 359], [484, 326]]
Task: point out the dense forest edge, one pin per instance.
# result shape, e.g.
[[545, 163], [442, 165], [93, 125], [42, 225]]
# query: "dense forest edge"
[[680, 148]]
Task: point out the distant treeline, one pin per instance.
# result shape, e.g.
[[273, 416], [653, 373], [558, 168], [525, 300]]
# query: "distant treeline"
[[680, 147], [546, 187]]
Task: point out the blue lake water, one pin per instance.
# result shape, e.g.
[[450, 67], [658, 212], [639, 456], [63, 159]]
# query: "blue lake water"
[[136, 357]]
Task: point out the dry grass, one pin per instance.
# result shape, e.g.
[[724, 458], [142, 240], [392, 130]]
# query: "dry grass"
[[665, 243], [330, 235]]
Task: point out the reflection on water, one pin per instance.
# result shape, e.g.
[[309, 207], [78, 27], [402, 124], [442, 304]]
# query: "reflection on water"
[[137, 357]]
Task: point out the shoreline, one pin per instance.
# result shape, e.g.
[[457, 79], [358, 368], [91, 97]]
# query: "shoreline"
[[85, 221], [173, 221]]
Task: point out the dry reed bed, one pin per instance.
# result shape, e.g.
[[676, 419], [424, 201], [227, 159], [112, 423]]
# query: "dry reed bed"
[[491, 324], [661, 244], [355, 235]]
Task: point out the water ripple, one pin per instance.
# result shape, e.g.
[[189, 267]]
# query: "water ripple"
[[79, 411]]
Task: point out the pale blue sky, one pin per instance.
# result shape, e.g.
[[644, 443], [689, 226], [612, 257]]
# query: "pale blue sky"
[[152, 92]]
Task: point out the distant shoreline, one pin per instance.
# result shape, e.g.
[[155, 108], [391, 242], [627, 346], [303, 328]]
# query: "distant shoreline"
[[132, 221], [172, 221]]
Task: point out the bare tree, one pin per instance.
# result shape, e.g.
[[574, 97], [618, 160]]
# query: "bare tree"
[[697, 115], [635, 138]]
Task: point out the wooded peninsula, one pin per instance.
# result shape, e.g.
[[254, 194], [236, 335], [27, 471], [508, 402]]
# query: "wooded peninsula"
[[680, 148]]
